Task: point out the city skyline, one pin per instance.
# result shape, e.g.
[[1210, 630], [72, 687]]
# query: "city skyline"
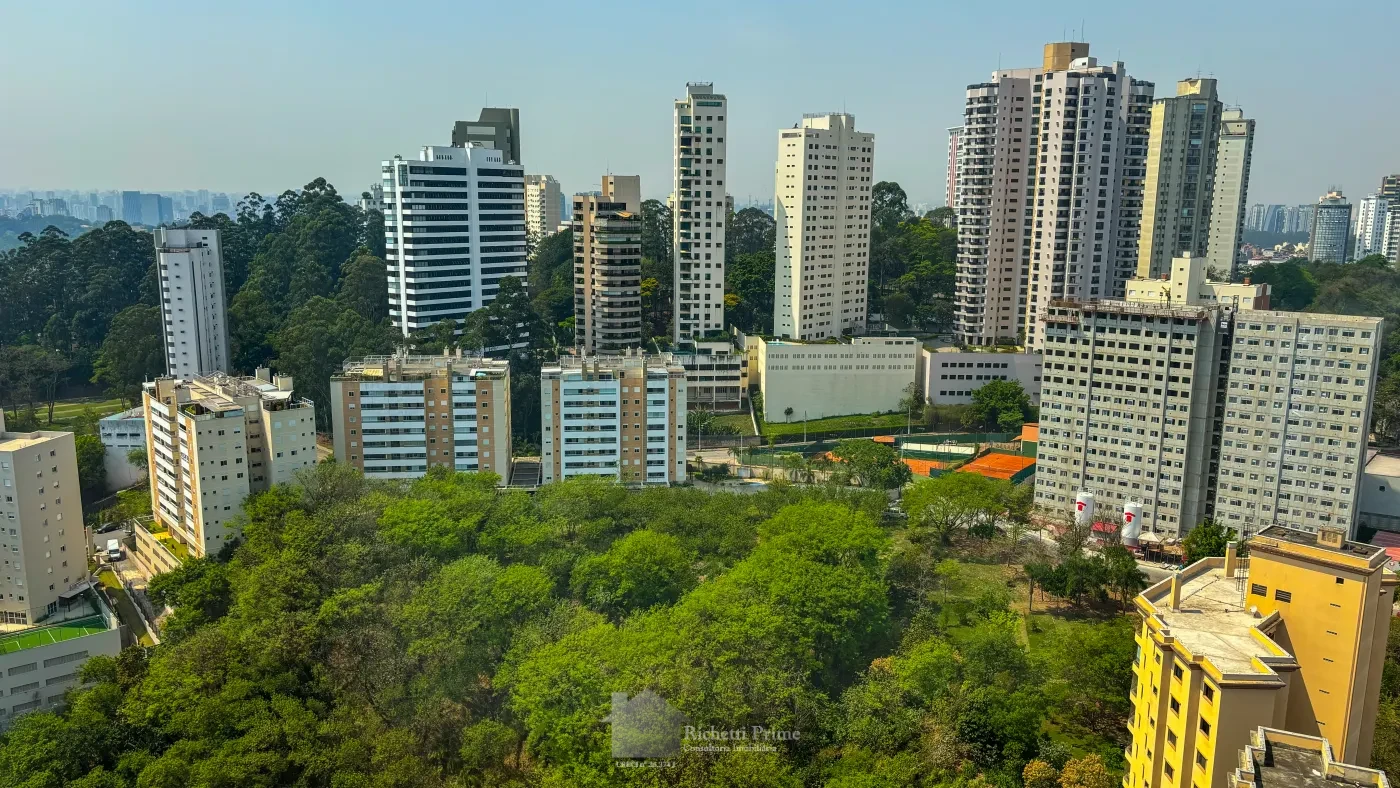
[[262, 121]]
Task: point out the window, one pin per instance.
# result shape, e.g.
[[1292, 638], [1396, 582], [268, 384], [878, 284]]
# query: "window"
[[1283, 596], [1176, 707], [1258, 590], [1200, 760], [1205, 728], [1176, 672], [1209, 692]]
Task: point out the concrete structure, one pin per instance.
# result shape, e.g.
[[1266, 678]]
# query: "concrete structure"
[[1370, 226], [1331, 227], [213, 440], [1390, 187], [1233, 158], [954, 138], [615, 417], [1032, 124], [544, 204], [698, 215], [822, 210], [716, 376], [821, 379], [193, 310], [1379, 507], [397, 416], [120, 433], [41, 525], [1188, 283], [38, 664], [1390, 236], [454, 226], [608, 266], [1292, 637], [495, 127], [1177, 194], [1281, 759], [948, 376], [1297, 413]]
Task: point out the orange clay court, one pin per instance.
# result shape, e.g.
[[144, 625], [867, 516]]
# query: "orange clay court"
[[998, 466]]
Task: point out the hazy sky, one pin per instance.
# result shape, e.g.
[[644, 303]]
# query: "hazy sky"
[[264, 96]]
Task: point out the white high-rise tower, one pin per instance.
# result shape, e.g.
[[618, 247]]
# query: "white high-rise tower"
[[698, 213], [193, 312]]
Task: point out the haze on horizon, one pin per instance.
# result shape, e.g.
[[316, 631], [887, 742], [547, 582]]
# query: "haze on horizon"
[[160, 96]]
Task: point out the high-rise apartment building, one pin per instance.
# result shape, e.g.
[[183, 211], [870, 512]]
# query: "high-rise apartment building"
[[1176, 202], [41, 524], [1291, 638], [1254, 220], [1370, 226], [193, 311], [1281, 759], [454, 226], [699, 213], [1331, 226], [608, 266], [615, 417], [543, 205], [397, 416], [1390, 187], [1232, 161], [495, 127], [954, 138], [1079, 127], [1273, 219], [1390, 236], [213, 440], [822, 210]]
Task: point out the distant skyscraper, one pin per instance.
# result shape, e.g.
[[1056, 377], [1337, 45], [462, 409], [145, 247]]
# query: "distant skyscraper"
[[1232, 161], [1273, 219], [608, 266], [698, 188], [150, 210], [497, 127], [1254, 220], [1370, 226], [1327, 242], [131, 207], [1176, 203], [954, 136], [454, 226], [543, 205], [193, 310], [102, 214], [220, 203], [822, 208], [165, 210], [1390, 188]]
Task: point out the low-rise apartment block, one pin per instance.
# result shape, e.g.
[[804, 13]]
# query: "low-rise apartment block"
[[716, 375], [120, 433], [948, 376], [615, 417], [397, 416], [1291, 638], [213, 440], [820, 379]]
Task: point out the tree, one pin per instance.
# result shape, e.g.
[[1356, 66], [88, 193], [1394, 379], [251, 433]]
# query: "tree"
[[1206, 540], [138, 459], [889, 205], [1003, 403], [132, 352], [317, 338], [787, 412], [750, 277], [750, 231], [551, 278], [639, 571], [944, 505], [92, 468], [1087, 772], [1292, 286], [361, 287], [1039, 774], [872, 464]]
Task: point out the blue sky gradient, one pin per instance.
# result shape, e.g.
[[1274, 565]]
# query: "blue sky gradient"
[[264, 96]]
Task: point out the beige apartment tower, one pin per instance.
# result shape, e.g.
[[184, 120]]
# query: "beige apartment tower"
[[397, 416], [41, 525], [214, 440], [608, 266], [1233, 157], [699, 209], [822, 208], [543, 203], [1177, 195]]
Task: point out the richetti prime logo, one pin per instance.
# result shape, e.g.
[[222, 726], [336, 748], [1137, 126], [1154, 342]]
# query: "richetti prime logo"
[[648, 731]]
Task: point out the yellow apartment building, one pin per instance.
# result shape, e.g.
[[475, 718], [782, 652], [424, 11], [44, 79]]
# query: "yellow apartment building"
[[1292, 638]]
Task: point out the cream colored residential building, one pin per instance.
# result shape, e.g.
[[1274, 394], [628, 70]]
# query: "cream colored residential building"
[[1176, 200], [698, 215], [822, 209], [213, 440], [543, 205], [193, 310], [42, 546], [820, 379], [608, 266], [1233, 158], [397, 416], [615, 417]]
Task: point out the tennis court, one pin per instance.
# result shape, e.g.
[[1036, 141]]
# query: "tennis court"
[[43, 636], [994, 465]]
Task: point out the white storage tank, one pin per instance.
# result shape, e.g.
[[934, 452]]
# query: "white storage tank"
[[1084, 508], [1132, 523]]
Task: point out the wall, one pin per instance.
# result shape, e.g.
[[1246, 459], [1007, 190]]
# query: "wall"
[[938, 373], [869, 375], [52, 680]]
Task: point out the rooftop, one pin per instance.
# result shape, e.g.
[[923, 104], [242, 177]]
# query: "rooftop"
[[15, 441], [130, 413], [57, 633], [1382, 464], [1281, 759], [1324, 545], [402, 365]]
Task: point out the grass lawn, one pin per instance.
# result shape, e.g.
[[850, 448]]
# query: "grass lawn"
[[126, 609], [57, 633], [882, 423], [741, 422], [67, 409]]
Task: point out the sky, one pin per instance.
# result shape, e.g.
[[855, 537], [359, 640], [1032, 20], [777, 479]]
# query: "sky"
[[267, 96]]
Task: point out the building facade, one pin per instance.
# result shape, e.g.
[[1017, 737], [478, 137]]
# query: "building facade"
[[1177, 193], [213, 440], [1290, 638], [802, 381], [454, 226], [544, 204], [716, 376], [397, 416], [947, 376], [1370, 226], [822, 210], [495, 127], [120, 433], [698, 215], [608, 266], [41, 525], [1331, 226], [193, 312], [954, 138], [1233, 158], [39, 664], [616, 417]]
